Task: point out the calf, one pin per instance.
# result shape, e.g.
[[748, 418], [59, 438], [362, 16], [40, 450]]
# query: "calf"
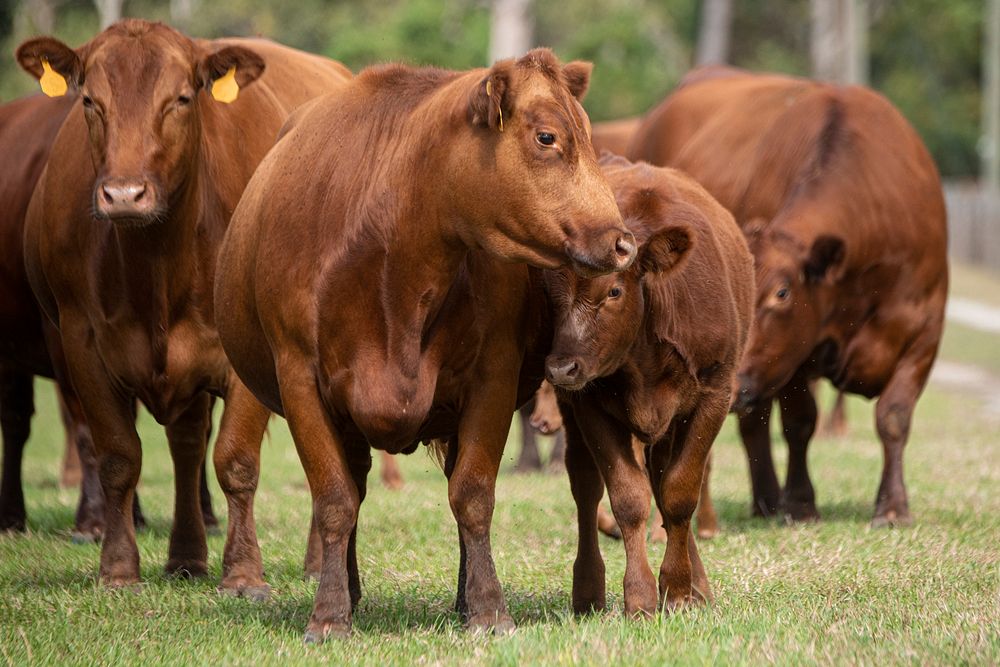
[[373, 286], [120, 246], [845, 216], [656, 348]]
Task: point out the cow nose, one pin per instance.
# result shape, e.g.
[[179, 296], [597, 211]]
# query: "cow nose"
[[563, 372], [125, 198], [745, 399], [130, 193], [624, 250]]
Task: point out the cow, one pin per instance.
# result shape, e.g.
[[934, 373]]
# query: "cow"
[[541, 415], [844, 212], [649, 354], [614, 136], [374, 287], [121, 238]]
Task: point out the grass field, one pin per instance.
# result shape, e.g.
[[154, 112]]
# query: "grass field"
[[835, 592]]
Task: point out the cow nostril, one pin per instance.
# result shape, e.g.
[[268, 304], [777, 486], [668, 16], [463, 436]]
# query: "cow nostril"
[[140, 194], [625, 246], [572, 370], [108, 197]]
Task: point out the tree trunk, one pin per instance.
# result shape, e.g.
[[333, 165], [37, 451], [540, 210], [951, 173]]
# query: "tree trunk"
[[713, 32], [109, 11], [826, 43], [989, 148], [511, 28], [41, 14]]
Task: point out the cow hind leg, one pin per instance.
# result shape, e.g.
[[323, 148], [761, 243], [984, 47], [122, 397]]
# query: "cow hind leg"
[[17, 404], [207, 513], [360, 463], [529, 459], [392, 477], [237, 467], [798, 421], [707, 519], [188, 551], [589, 580], [755, 432]]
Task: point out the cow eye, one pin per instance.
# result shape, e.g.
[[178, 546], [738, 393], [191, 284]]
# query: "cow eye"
[[546, 138], [183, 100], [782, 293], [87, 101], [615, 293]]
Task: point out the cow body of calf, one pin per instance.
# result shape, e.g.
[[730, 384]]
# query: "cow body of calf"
[[843, 209], [373, 288], [121, 239], [615, 136], [657, 348]]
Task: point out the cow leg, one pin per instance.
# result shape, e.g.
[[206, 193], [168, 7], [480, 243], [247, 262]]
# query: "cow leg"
[[359, 460], [708, 521], [587, 486], [188, 553], [72, 473], [392, 478], [630, 495], [755, 431], [529, 459], [17, 404], [89, 524], [335, 496], [557, 460], [482, 433], [207, 513], [798, 422], [678, 463], [834, 424], [237, 467]]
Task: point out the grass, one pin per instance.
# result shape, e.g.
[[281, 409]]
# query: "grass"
[[834, 592]]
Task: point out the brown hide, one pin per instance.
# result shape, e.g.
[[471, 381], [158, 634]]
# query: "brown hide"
[[654, 350], [367, 290], [130, 282], [614, 135], [843, 208]]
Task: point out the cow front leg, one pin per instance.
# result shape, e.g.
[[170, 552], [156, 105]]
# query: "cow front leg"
[[17, 404], [798, 422], [587, 486], [755, 432], [237, 467], [188, 551]]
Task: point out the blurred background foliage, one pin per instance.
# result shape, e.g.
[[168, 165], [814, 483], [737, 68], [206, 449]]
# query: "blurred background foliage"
[[924, 54]]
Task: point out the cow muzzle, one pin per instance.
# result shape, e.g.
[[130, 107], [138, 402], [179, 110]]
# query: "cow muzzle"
[[565, 372], [612, 251], [125, 199], [746, 398]]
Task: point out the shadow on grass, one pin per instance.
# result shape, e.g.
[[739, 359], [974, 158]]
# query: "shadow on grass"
[[735, 516]]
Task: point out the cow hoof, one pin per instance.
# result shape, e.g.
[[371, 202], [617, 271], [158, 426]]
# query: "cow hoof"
[[317, 633], [493, 623], [213, 529], [892, 519], [122, 583], [674, 605], [707, 532], [186, 569], [85, 536], [800, 512], [254, 593], [12, 524], [658, 535]]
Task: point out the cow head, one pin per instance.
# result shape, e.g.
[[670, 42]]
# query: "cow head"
[[598, 319], [531, 188], [141, 86], [794, 284]]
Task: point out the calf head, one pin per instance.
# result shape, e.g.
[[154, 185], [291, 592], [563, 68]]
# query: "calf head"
[[597, 320], [795, 285], [529, 184], [140, 84]]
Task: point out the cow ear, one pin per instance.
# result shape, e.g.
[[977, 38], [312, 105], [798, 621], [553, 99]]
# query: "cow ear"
[[665, 250], [224, 72], [577, 75], [490, 98], [825, 258], [56, 66]]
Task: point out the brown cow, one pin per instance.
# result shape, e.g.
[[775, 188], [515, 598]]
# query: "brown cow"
[[657, 348], [844, 212], [614, 136], [120, 245], [373, 289]]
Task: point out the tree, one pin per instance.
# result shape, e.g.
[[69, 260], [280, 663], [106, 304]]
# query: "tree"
[[713, 32], [511, 28], [109, 11]]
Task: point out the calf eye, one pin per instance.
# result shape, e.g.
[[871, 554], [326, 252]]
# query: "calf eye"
[[87, 101], [546, 138], [782, 293], [183, 100], [615, 293]]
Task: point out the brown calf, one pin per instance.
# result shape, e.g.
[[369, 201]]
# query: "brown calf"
[[373, 288], [657, 348], [844, 212], [120, 245]]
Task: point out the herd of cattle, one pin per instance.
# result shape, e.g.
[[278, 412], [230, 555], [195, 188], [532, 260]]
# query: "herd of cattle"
[[401, 256]]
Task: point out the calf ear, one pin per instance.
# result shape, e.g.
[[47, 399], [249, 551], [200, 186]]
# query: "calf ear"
[[224, 72], [825, 256], [56, 66], [577, 75], [664, 251], [490, 98]]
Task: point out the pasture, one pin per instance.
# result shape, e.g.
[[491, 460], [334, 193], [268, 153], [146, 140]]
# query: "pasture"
[[835, 592]]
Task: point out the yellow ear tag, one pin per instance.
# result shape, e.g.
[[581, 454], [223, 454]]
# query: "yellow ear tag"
[[489, 93], [225, 89], [53, 83]]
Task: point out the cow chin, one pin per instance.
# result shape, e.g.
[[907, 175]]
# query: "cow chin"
[[131, 220]]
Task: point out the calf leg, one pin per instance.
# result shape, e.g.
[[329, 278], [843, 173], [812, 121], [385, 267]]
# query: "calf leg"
[[71, 474], [630, 494], [798, 421], [188, 553], [708, 521], [529, 459], [755, 431], [557, 460], [392, 478], [237, 467], [17, 404], [207, 513], [589, 593]]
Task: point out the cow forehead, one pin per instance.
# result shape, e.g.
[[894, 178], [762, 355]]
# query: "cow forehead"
[[140, 62], [540, 93]]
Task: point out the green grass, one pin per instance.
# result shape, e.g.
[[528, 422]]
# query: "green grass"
[[835, 592]]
